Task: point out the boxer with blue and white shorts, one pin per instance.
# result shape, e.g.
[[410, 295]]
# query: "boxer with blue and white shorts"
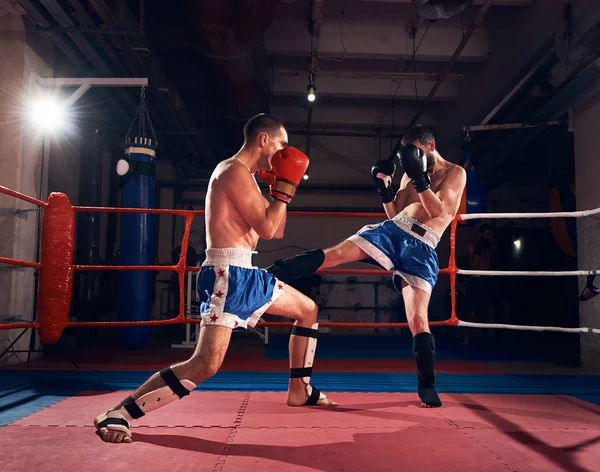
[[233, 292], [405, 246]]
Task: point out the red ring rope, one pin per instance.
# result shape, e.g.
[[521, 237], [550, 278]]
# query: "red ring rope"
[[56, 268]]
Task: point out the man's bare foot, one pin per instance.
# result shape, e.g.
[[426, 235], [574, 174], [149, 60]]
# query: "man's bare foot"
[[112, 427], [300, 397]]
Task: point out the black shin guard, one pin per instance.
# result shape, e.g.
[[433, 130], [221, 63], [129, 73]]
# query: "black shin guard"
[[424, 352], [300, 265]]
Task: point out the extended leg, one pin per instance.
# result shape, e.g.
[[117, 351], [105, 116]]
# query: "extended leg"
[[416, 302], [308, 262], [166, 386]]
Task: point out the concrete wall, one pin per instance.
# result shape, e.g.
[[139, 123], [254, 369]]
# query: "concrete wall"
[[20, 169], [586, 124]]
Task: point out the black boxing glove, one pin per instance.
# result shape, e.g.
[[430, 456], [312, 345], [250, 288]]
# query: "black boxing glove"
[[414, 162], [382, 173]]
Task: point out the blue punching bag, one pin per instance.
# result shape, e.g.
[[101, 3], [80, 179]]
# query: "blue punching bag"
[[473, 198], [136, 236]]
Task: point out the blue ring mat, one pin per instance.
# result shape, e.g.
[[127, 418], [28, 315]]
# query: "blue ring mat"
[[25, 392]]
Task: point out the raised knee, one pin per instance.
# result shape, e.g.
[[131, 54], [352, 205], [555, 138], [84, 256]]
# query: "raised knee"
[[309, 313], [313, 312]]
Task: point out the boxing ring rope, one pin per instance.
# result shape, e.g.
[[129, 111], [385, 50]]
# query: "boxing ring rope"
[[56, 268]]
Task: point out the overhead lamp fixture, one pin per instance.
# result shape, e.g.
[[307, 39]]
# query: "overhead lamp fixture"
[[312, 88]]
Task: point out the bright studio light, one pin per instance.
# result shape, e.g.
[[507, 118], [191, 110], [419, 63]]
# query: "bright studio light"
[[311, 92], [517, 243], [48, 114]]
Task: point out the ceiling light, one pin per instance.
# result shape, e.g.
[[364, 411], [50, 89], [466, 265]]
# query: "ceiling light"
[[311, 92]]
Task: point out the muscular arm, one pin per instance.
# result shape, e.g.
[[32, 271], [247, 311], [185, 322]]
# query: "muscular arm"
[[395, 207], [239, 185], [279, 233], [432, 203], [447, 198]]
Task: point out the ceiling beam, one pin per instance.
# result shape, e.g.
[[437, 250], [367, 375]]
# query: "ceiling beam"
[[352, 116], [361, 30], [497, 3], [368, 64], [371, 75], [343, 102], [459, 49], [363, 88]]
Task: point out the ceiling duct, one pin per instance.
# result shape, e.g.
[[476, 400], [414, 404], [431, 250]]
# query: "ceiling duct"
[[433, 10]]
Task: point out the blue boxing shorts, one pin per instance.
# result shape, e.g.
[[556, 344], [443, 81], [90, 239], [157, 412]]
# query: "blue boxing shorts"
[[232, 291], [404, 245]]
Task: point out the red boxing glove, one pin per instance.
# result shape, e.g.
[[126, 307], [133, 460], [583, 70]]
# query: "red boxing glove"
[[289, 166], [267, 176]]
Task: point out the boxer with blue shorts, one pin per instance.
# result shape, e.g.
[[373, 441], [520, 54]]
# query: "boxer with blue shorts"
[[418, 213], [404, 246], [234, 293]]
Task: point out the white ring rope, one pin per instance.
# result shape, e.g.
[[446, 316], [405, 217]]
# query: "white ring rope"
[[517, 273], [528, 328], [560, 214], [555, 214]]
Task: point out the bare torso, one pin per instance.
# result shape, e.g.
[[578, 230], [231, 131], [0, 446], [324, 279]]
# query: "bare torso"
[[225, 227], [415, 209]]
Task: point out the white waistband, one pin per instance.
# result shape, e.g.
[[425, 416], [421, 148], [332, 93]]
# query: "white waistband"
[[406, 223], [236, 256]]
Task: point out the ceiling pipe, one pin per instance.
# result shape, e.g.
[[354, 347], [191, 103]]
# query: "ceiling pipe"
[[448, 67], [554, 109], [527, 77]]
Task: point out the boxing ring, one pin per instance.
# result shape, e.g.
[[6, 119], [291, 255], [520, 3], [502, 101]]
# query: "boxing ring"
[[56, 268], [238, 419]]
